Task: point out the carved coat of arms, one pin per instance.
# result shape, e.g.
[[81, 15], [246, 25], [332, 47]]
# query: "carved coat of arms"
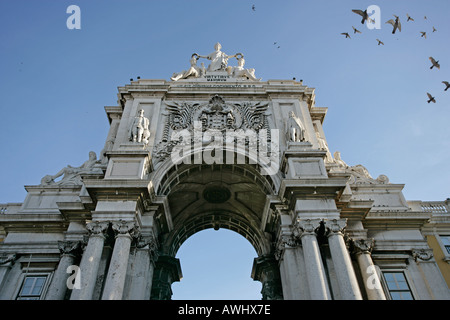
[[216, 114]]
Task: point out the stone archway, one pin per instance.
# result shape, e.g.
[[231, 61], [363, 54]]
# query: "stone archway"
[[202, 196], [216, 265]]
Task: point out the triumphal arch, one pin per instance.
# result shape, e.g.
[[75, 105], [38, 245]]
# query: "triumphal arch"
[[216, 147]]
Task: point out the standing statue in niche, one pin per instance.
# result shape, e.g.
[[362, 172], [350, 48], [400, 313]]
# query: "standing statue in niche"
[[139, 131], [296, 130], [71, 175], [219, 59]]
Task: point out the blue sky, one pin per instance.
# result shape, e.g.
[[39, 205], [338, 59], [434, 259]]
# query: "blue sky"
[[54, 82]]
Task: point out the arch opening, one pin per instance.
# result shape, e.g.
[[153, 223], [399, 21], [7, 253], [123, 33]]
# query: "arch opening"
[[216, 265], [206, 197]]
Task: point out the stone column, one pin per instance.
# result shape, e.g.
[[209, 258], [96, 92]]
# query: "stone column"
[[143, 268], [115, 280], [362, 249], [6, 263], [69, 251], [167, 271], [431, 275], [265, 269], [90, 261], [348, 284], [289, 253], [318, 285], [292, 269]]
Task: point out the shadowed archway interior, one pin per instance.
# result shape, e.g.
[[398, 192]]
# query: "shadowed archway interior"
[[217, 196]]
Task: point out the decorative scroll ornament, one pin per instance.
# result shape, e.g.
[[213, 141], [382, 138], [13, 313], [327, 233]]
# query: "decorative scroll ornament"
[[422, 254], [7, 257]]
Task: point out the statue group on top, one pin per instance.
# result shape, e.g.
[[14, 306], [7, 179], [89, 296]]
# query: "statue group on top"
[[359, 173], [219, 62]]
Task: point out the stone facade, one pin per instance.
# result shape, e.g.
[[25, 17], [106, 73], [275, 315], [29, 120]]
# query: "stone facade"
[[217, 148]]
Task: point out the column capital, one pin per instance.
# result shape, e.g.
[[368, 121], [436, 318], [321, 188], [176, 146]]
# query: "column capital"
[[6, 258], [306, 226], [283, 241], [149, 241], [97, 227], [72, 248], [362, 245], [335, 226], [123, 227]]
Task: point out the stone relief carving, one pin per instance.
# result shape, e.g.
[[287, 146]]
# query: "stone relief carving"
[[219, 62], [216, 115], [359, 173], [72, 175], [422, 254], [139, 131]]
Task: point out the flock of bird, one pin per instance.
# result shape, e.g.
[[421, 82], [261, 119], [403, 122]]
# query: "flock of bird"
[[397, 26]]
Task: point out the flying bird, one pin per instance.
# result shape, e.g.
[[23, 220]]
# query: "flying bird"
[[363, 14], [253, 7], [355, 30], [447, 85], [435, 63], [430, 98], [395, 23], [434, 29], [380, 42], [409, 18], [424, 34], [346, 34]]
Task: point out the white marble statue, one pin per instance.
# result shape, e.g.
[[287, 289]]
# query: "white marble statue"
[[240, 71], [139, 131], [339, 161], [71, 175], [296, 130], [324, 146], [219, 59], [194, 71]]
